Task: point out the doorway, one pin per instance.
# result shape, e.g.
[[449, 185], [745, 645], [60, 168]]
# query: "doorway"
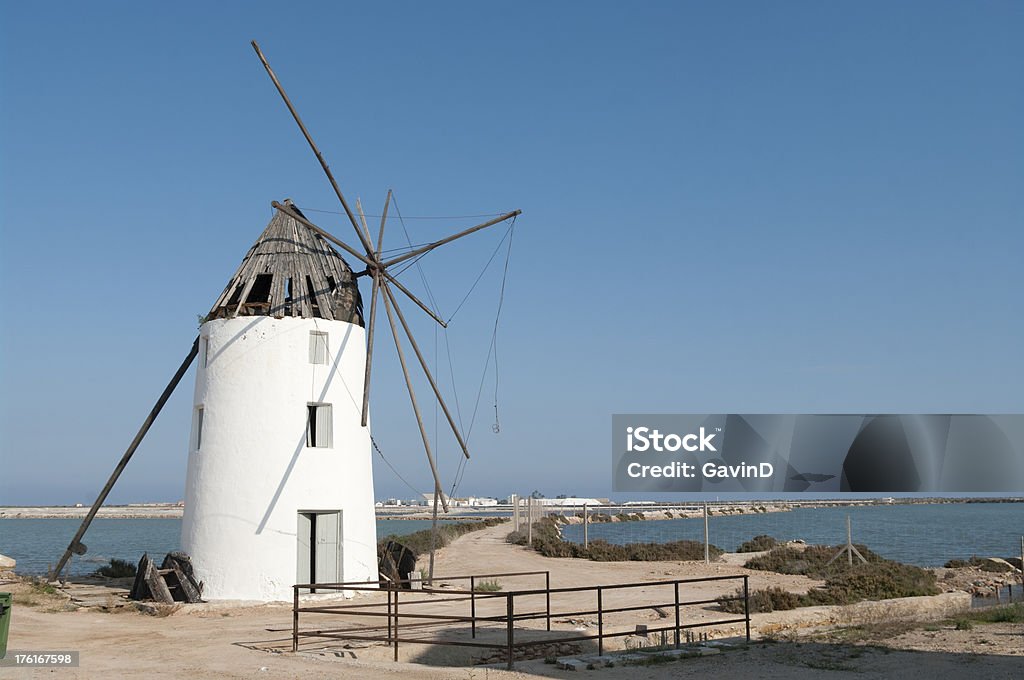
[[319, 556]]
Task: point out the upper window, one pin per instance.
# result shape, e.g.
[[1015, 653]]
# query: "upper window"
[[197, 428], [319, 426], [317, 347], [204, 351]]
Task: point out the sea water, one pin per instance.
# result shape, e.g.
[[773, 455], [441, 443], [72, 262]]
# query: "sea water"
[[925, 535], [37, 544]]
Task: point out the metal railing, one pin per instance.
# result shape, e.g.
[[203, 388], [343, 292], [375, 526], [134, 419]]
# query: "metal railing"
[[421, 614]]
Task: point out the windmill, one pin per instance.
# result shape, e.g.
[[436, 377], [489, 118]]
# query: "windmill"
[[291, 281]]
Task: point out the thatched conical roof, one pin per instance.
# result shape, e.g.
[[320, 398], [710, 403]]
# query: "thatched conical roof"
[[291, 271]]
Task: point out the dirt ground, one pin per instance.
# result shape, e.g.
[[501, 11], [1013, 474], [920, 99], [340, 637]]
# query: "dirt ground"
[[230, 641]]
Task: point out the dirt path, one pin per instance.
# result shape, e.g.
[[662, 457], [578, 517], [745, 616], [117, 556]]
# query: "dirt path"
[[217, 641]]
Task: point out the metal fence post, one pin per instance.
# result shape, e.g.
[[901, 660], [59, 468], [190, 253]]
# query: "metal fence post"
[[676, 584], [389, 612], [600, 623], [509, 630], [547, 594], [396, 624], [746, 603], [472, 606], [295, 618]]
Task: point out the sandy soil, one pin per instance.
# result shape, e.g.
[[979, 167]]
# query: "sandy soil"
[[220, 641]]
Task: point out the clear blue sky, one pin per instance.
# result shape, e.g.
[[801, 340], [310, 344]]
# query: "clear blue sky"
[[728, 207]]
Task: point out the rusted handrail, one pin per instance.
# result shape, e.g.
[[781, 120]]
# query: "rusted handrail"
[[419, 620]]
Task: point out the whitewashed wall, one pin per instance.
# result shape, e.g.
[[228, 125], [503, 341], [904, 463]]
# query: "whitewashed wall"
[[253, 472]]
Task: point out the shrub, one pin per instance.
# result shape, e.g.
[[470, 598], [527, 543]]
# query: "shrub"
[[810, 561], [769, 599], [117, 569], [548, 541], [1013, 613], [487, 587], [757, 544], [879, 579], [873, 581]]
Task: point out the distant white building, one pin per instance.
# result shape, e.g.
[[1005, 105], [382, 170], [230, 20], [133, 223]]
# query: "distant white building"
[[571, 502], [469, 502]]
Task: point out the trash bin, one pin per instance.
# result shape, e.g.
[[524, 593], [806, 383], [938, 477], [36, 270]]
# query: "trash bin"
[[5, 621]]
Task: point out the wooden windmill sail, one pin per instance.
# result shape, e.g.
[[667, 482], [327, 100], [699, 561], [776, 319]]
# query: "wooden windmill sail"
[[383, 281], [292, 272]]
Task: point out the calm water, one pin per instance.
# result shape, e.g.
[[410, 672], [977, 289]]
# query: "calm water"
[[37, 544], [926, 535]]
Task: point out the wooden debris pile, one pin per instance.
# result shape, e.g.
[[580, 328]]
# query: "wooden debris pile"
[[174, 581]]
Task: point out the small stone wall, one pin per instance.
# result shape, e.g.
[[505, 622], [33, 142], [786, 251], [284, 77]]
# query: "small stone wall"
[[925, 608]]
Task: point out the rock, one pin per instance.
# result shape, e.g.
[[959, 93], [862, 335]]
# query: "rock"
[[7, 562], [997, 564]]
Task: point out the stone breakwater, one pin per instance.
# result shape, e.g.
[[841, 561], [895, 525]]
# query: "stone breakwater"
[[147, 511], [598, 514]]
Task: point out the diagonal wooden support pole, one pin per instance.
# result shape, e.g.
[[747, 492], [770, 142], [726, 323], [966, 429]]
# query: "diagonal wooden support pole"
[[369, 349], [383, 219], [373, 315], [412, 396], [76, 547], [408, 293], [426, 371], [312, 145], [430, 246], [362, 220]]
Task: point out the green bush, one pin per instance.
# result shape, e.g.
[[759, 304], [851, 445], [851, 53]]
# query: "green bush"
[[487, 587], [548, 541], [1013, 613], [769, 599], [117, 569], [873, 581], [879, 579], [810, 561], [758, 544]]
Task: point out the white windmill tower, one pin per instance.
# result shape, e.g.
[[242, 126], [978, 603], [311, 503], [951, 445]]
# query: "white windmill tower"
[[279, 485]]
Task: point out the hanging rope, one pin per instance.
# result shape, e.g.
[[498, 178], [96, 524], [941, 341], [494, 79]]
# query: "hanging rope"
[[492, 351], [492, 348], [482, 271], [388, 463]]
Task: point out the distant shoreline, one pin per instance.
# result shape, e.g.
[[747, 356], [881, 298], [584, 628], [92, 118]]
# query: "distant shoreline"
[[176, 510]]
